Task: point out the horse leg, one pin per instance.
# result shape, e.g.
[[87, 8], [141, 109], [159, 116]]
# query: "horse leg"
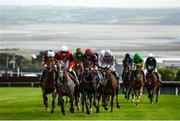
[[45, 98], [129, 90], [82, 101], [141, 91], [157, 93], [87, 103], [58, 101], [148, 89], [138, 95], [72, 105], [106, 99], [99, 98], [132, 93], [61, 102], [77, 98], [125, 91], [53, 101], [94, 99], [124, 88], [112, 98], [90, 101], [117, 101]]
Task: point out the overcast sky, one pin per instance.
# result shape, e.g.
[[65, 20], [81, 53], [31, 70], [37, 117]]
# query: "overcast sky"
[[98, 3]]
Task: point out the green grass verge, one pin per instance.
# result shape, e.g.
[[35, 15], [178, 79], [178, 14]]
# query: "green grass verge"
[[26, 104]]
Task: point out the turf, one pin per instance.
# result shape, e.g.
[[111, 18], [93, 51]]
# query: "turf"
[[26, 104]]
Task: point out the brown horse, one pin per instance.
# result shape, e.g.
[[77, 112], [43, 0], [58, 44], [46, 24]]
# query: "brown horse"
[[126, 79], [110, 89], [89, 88], [79, 69], [65, 87], [153, 85], [48, 85], [137, 81]]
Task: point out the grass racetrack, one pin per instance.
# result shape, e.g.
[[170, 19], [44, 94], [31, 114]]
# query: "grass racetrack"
[[27, 104]]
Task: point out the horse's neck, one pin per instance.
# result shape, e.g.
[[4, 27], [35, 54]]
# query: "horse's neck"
[[50, 76], [109, 75], [65, 75], [139, 75], [152, 76]]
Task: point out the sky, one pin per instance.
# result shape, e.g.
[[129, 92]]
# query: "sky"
[[99, 3]]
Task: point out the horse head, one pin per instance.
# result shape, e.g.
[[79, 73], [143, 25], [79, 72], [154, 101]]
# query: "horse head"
[[150, 69], [127, 66], [87, 67], [61, 69], [79, 69]]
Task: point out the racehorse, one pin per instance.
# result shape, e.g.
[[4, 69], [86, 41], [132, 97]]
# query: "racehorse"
[[65, 87], [48, 85], [89, 88], [153, 85], [79, 69], [126, 79], [110, 89], [137, 81]]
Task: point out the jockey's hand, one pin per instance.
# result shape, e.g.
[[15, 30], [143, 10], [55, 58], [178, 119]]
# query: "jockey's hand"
[[45, 66], [95, 68], [70, 69]]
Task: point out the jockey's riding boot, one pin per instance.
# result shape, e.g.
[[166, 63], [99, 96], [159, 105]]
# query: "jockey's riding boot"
[[99, 79], [57, 79], [42, 77], [158, 76], [76, 81], [117, 77]]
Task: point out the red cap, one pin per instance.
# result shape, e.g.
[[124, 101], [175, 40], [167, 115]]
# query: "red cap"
[[88, 52]]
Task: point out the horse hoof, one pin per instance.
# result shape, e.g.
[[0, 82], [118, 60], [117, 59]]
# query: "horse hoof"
[[52, 111], [133, 100], [106, 108], [125, 97], [72, 110], [104, 105], [47, 109], [97, 109], [78, 108], [136, 104], [90, 110], [63, 113]]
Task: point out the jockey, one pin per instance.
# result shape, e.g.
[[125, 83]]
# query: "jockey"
[[151, 62], [66, 56], [48, 55], [78, 55], [138, 59], [127, 60], [93, 58], [78, 59], [106, 59]]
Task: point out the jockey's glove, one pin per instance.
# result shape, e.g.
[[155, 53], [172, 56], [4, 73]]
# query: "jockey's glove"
[[70, 69]]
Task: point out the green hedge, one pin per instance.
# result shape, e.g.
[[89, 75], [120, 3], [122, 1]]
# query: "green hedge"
[[167, 74], [177, 75]]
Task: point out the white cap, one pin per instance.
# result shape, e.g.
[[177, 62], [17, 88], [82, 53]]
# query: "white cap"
[[108, 52], [64, 48], [150, 55], [50, 53]]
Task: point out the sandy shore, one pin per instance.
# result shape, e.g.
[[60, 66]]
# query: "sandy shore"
[[163, 41]]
